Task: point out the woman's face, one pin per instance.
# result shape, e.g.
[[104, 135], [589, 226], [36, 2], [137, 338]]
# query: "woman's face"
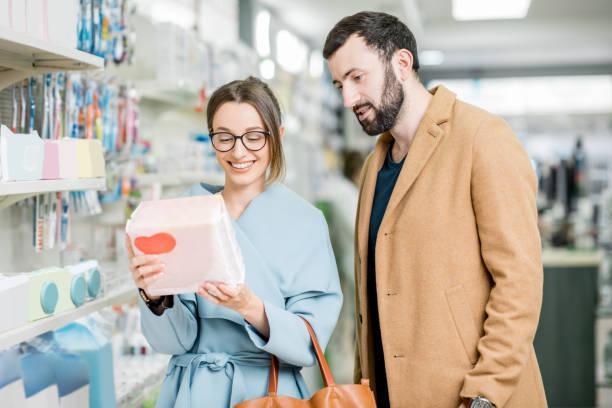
[[242, 167]]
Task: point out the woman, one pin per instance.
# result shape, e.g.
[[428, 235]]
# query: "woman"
[[221, 338]]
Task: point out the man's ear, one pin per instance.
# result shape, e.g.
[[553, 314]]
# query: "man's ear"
[[404, 61]]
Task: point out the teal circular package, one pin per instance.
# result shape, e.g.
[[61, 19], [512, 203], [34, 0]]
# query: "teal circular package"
[[94, 282], [78, 290], [49, 295]]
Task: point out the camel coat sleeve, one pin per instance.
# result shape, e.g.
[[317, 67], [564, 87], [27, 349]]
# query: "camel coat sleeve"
[[504, 201]]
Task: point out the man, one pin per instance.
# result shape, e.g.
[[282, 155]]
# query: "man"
[[448, 259]]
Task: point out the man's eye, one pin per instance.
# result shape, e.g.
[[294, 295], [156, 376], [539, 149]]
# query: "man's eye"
[[358, 77]]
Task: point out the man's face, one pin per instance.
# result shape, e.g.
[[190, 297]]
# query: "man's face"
[[368, 85]]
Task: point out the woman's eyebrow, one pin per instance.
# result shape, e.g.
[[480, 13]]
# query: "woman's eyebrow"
[[247, 129]]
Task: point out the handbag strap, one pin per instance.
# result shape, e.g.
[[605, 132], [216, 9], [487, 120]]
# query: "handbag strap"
[[328, 378]]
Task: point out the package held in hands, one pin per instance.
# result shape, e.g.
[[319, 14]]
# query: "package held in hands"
[[193, 237]]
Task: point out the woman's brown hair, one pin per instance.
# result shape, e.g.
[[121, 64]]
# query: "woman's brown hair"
[[257, 94]]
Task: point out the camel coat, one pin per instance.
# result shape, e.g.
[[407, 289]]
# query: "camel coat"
[[458, 264]]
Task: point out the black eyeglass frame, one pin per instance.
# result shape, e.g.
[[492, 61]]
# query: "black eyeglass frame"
[[264, 132]]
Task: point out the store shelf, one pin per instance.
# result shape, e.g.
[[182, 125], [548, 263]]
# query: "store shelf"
[[178, 179], [45, 186], [180, 94], [565, 258], [56, 321], [13, 191], [23, 55]]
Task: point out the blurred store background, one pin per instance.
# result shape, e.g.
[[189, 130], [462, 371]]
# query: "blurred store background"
[[543, 65]]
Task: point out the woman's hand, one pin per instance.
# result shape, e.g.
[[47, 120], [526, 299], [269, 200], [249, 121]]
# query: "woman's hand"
[[145, 268], [240, 299]]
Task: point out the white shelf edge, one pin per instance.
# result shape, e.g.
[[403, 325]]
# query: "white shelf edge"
[[563, 258], [46, 186], [44, 55], [33, 329]]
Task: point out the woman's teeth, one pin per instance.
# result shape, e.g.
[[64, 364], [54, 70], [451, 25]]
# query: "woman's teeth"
[[244, 165]]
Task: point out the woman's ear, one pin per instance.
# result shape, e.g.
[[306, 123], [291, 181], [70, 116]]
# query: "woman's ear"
[[281, 132]]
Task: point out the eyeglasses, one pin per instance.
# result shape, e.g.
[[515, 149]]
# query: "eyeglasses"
[[253, 140]]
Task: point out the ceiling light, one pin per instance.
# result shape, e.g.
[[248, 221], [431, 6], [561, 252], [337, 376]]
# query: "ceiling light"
[[489, 9], [291, 52], [262, 33], [267, 69]]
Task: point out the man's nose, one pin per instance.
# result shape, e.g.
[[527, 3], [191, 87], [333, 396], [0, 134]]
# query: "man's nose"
[[350, 97]]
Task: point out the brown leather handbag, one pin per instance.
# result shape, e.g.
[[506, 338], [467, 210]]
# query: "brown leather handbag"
[[332, 395]]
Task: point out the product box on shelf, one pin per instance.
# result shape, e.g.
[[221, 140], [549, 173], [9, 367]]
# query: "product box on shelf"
[[69, 164], [52, 290], [97, 158], [90, 271], [39, 380], [21, 155], [5, 14], [84, 158], [62, 22], [51, 166], [97, 352], [18, 15], [36, 18], [194, 238], [71, 290], [72, 376], [13, 297], [12, 393]]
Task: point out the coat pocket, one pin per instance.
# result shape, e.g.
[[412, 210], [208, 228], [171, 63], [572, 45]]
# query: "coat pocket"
[[464, 322]]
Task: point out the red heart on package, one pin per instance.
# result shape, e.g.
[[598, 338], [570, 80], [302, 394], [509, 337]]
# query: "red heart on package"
[[160, 243]]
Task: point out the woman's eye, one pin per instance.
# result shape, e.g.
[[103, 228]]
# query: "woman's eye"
[[254, 136]]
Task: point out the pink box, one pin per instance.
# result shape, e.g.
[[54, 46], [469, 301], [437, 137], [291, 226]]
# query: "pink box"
[[194, 238], [51, 160]]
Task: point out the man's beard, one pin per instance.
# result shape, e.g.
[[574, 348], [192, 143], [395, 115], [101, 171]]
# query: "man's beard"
[[391, 102]]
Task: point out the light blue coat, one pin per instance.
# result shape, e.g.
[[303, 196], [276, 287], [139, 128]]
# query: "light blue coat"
[[218, 358]]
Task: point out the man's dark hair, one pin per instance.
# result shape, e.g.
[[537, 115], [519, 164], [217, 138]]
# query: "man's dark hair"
[[381, 31]]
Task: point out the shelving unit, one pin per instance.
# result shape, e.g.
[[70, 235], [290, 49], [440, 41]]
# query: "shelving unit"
[[178, 179], [53, 322], [22, 55], [13, 191]]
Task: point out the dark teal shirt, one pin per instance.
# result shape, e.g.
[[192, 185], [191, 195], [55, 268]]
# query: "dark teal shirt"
[[385, 182]]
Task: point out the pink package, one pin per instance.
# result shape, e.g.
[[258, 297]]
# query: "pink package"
[[194, 238], [51, 160]]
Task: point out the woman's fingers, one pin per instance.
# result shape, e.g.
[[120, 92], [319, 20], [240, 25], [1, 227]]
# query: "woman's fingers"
[[142, 260], [204, 293], [150, 278], [214, 291], [231, 291], [149, 270]]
